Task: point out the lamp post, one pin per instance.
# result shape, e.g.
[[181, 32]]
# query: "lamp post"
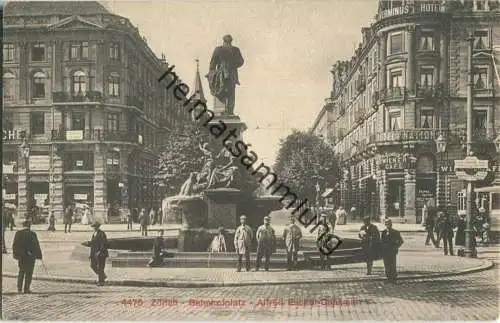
[[470, 80], [440, 149]]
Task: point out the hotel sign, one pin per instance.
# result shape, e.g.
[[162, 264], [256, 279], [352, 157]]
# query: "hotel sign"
[[471, 169], [74, 135]]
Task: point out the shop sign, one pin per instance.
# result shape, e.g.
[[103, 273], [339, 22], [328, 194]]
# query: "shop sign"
[[79, 163], [39, 163], [80, 197], [74, 135], [8, 169], [425, 194], [471, 169], [109, 161], [13, 135], [116, 162]]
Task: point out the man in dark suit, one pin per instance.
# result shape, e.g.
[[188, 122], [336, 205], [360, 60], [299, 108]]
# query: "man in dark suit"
[[26, 249], [98, 252], [158, 253], [370, 240], [390, 242], [446, 232]]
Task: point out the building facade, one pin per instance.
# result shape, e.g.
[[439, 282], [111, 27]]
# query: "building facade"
[[405, 86], [83, 111]]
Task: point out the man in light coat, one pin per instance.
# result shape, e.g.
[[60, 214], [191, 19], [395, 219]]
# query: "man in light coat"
[[243, 242], [266, 243], [292, 235]]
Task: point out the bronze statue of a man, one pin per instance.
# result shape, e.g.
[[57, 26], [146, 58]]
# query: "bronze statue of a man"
[[223, 73]]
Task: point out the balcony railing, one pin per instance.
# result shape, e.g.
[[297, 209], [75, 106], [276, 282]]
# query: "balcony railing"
[[394, 93], [90, 96], [96, 135], [417, 7]]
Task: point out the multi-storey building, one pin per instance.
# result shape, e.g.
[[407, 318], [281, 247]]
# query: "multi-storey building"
[[83, 113], [405, 86]]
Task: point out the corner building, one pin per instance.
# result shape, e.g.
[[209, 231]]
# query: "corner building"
[[83, 112], [406, 85]]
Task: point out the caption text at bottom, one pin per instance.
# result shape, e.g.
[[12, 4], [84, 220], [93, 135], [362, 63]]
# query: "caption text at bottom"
[[224, 302]]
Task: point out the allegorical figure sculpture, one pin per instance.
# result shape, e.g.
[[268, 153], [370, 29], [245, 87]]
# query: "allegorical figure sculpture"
[[223, 73]]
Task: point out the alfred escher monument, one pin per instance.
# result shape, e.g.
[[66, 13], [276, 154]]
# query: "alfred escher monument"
[[217, 194]]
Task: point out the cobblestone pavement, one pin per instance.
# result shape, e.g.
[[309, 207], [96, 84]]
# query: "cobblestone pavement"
[[468, 297]]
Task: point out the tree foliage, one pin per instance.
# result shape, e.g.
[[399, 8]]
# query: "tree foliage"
[[181, 155], [303, 157]]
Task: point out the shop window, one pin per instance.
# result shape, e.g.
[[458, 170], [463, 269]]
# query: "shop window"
[[39, 85], [395, 43], [426, 118], [37, 123], [8, 52], [38, 52], [79, 160]]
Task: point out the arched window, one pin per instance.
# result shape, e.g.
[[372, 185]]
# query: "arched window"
[[79, 84], [114, 85], [9, 86], [39, 85]]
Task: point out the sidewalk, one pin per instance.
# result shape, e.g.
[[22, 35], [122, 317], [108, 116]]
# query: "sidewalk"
[[423, 263]]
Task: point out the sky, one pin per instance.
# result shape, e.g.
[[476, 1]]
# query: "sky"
[[289, 48]]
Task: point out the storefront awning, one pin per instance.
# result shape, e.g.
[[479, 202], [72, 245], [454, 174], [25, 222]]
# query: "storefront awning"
[[488, 189]]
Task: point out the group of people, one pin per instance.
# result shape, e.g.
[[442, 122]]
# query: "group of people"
[[144, 218], [383, 244], [440, 226], [26, 250]]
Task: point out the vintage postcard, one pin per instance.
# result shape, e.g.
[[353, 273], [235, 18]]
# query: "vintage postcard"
[[232, 160]]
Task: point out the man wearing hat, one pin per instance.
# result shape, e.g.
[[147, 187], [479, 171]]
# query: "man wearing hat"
[[292, 235], [391, 241], [325, 227], [266, 243], [370, 240], [98, 252], [243, 242], [26, 249]]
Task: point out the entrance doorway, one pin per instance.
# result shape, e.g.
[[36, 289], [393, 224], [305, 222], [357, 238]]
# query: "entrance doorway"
[[395, 198]]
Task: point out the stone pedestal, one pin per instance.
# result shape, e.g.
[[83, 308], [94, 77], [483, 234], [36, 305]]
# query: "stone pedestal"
[[410, 195], [222, 207]]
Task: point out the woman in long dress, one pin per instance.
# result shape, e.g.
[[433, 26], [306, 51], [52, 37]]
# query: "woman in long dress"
[[85, 216]]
